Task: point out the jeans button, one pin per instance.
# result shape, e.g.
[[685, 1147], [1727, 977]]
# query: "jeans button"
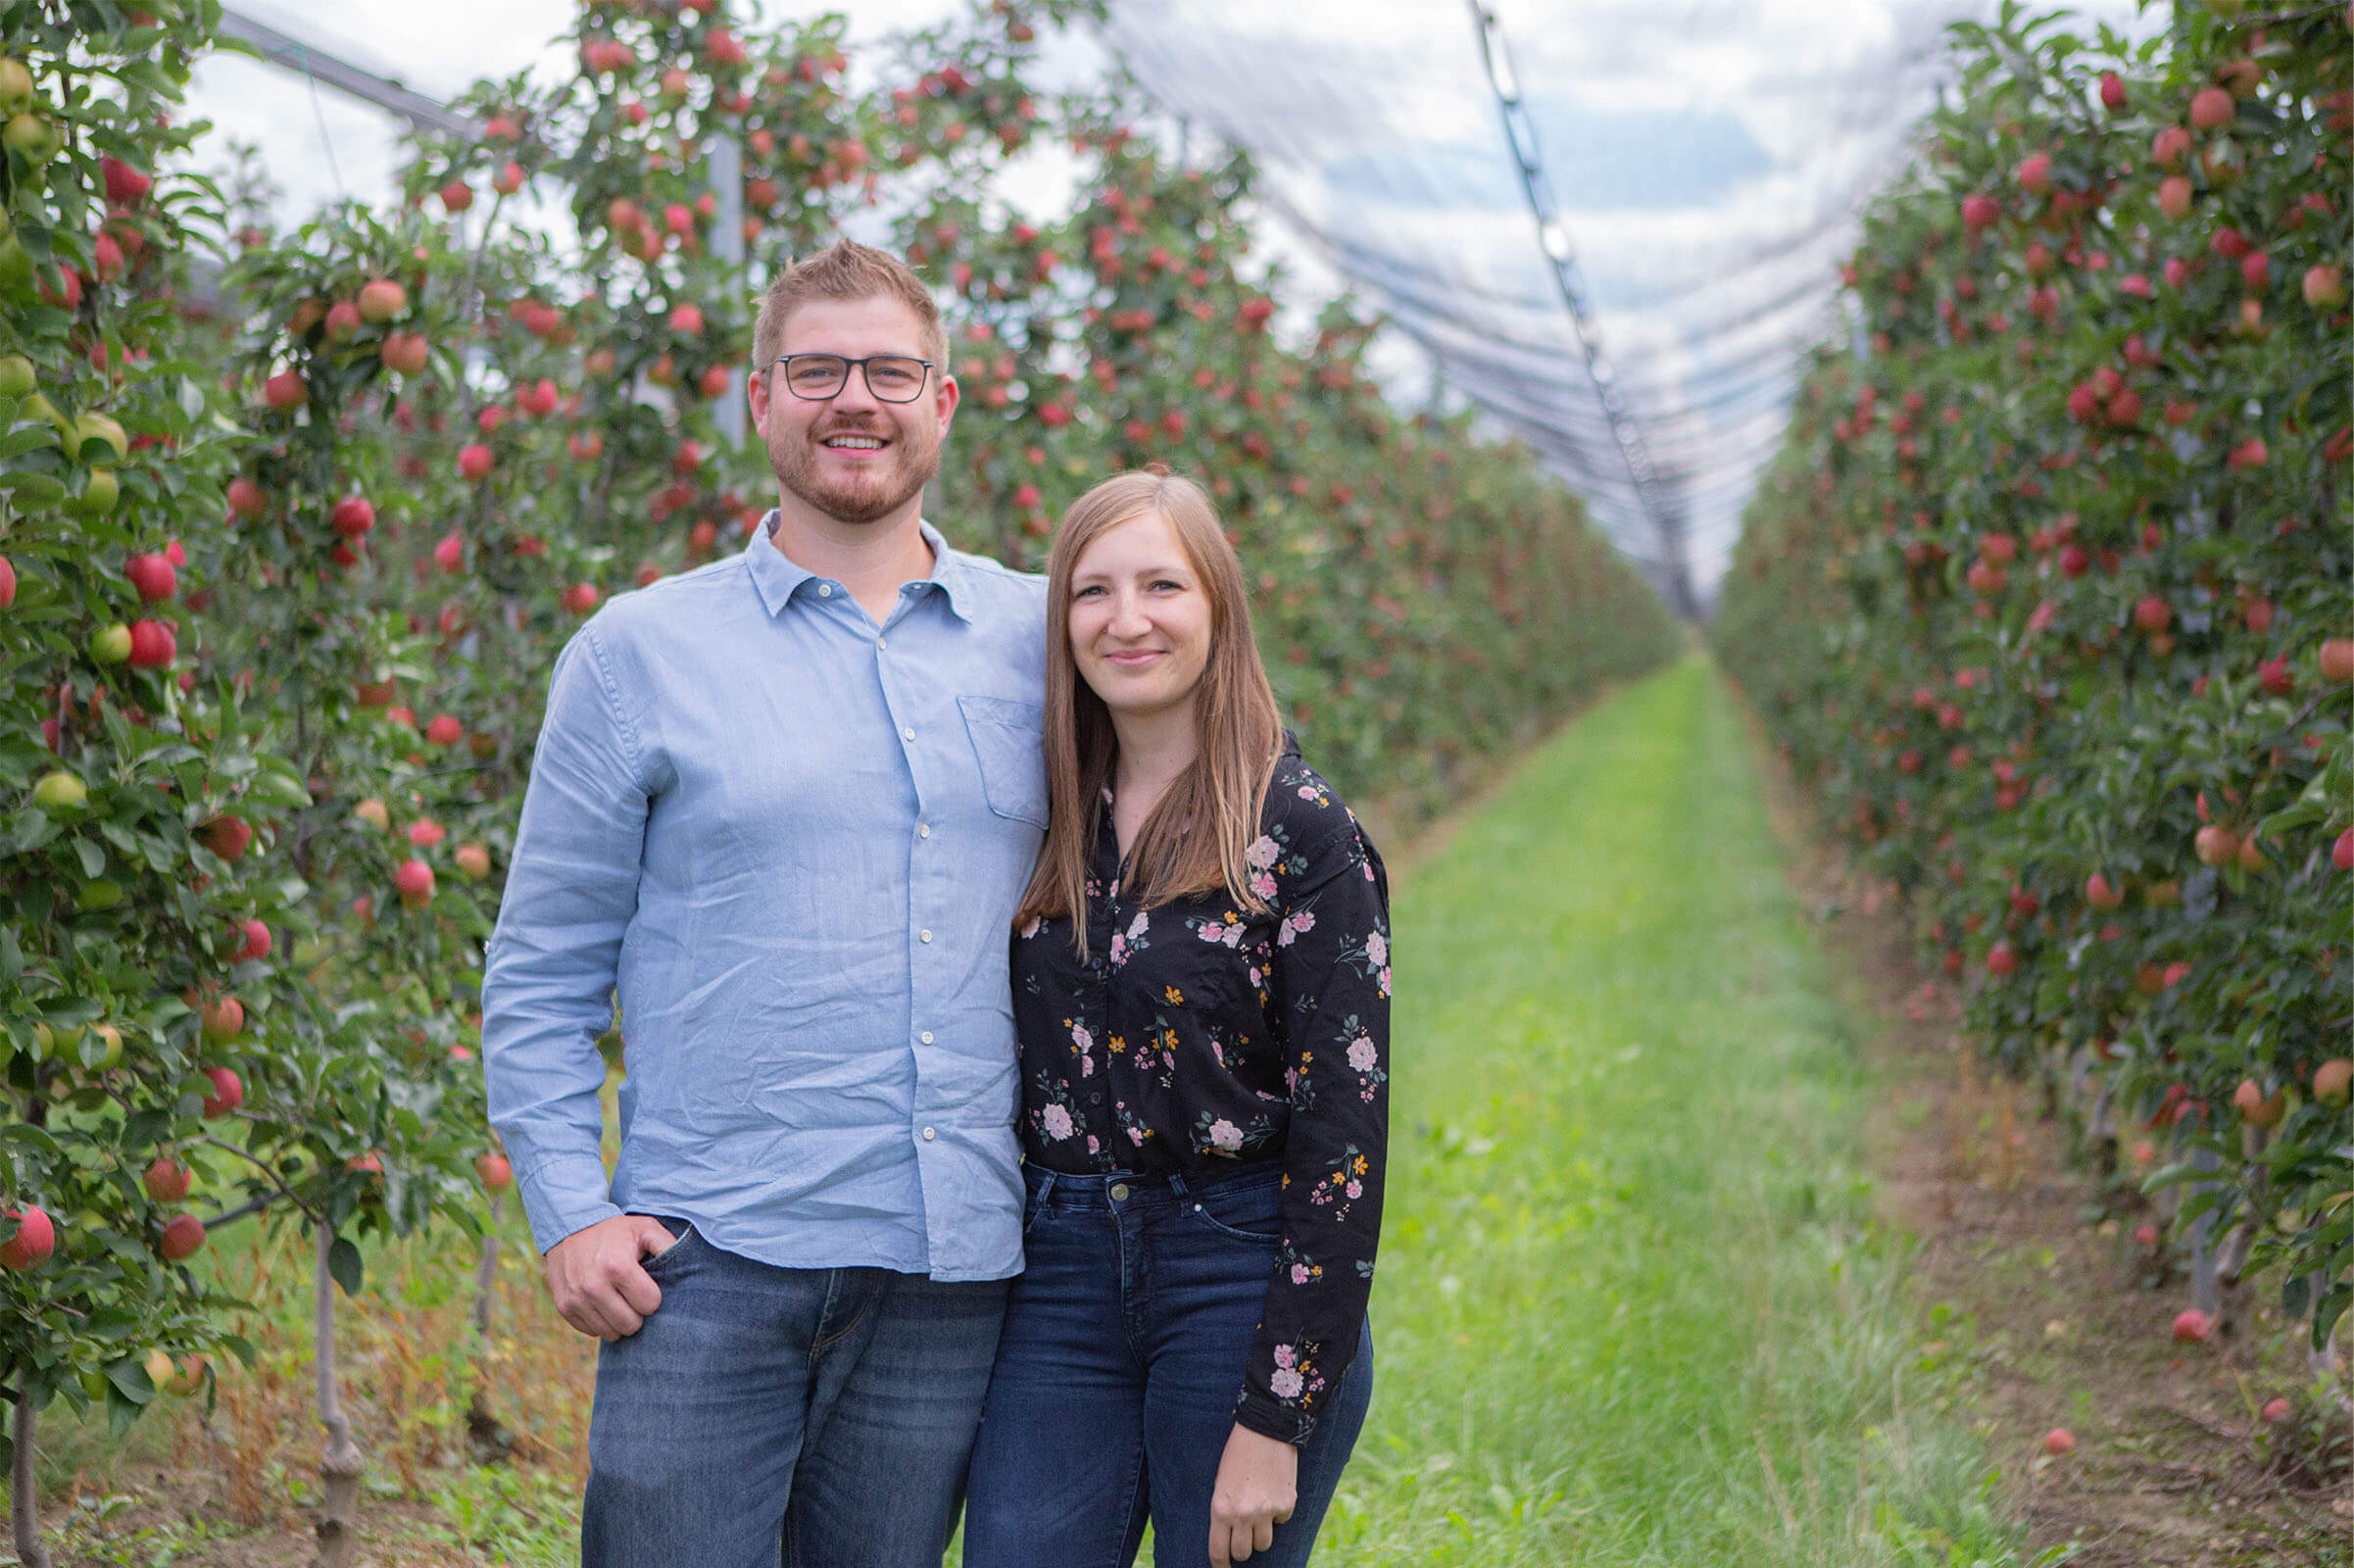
[[1119, 1190]]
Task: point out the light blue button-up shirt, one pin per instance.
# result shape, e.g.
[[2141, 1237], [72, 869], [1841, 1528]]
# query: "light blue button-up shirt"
[[791, 841]]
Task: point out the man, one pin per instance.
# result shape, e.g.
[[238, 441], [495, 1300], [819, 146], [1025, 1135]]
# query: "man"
[[783, 805]]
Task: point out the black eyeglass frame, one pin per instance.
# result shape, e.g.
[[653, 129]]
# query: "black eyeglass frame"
[[849, 365]]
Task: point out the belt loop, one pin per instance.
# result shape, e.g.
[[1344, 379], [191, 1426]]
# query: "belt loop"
[[1045, 1189], [1177, 1184]]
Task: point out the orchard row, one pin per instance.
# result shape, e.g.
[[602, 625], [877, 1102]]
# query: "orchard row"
[[2047, 594]]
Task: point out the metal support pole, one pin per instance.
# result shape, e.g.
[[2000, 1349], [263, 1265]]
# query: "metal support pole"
[[726, 170], [1666, 520]]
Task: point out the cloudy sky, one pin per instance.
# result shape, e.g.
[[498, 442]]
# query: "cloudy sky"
[[1707, 158]]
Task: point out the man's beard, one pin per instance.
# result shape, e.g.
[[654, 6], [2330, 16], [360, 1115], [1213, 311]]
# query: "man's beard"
[[864, 498]]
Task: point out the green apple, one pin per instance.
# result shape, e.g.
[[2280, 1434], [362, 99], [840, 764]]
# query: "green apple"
[[16, 375], [99, 496], [15, 85], [91, 429], [102, 894], [111, 645], [61, 791], [113, 1038], [29, 137]]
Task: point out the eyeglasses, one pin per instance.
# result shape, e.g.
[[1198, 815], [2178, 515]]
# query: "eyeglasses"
[[890, 377]]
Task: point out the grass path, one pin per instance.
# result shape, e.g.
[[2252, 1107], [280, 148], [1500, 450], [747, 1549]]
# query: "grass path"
[[1632, 1307]]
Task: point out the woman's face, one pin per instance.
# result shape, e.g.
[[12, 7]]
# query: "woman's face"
[[1139, 619]]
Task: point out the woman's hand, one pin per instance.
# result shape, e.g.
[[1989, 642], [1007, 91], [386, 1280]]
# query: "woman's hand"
[[1258, 1483]]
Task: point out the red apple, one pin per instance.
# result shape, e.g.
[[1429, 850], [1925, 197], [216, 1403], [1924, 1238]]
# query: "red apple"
[[167, 1180], [257, 940], [580, 598], [245, 498], [2276, 1409], [2192, 1325], [227, 1092], [2336, 659], [2215, 845], [445, 730], [2001, 961], [2057, 1441], [152, 576], [226, 836], [152, 645], [126, 186], [2332, 1078], [457, 196], [413, 879], [496, 1173], [284, 391], [474, 861], [2324, 287], [183, 1236], [34, 1240], [2147, 1234], [353, 516], [224, 1019], [2212, 109], [2101, 894], [2153, 613], [687, 320]]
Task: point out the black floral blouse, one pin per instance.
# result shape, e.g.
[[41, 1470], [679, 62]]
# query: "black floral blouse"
[[1197, 1037]]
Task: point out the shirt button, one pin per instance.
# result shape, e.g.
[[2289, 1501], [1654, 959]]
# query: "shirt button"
[[925, 1037], [1119, 1191], [907, 734], [923, 830], [927, 1134], [825, 590], [923, 936], [880, 642]]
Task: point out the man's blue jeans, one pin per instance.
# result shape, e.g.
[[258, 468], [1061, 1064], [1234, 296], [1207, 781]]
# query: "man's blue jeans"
[[1125, 1344], [821, 1419]]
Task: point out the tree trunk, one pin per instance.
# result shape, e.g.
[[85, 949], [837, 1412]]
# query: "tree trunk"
[[340, 1467], [25, 1503], [487, 1439]]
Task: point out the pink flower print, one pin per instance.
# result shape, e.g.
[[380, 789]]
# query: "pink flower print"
[[1030, 927], [1231, 935], [1384, 979], [1377, 948], [1255, 978], [1055, 1122], [1262, 853], [1286, 1356], [1092, 1145], [1286, 1384], [1225, 1136], [1307, 792], [1295, 925], [1119, 950], [1211, 931], [1087, 1066], [1362, 1054], [1262, 883], [1081, 1040], [1354, 1189], [1300, 1274], [1138, 926], [1136, 1136]]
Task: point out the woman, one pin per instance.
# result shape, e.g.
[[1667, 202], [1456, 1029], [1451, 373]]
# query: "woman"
[[1201, 991]]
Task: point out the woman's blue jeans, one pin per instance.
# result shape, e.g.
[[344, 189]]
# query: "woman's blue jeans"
[[817, 1417], [1125, 1344]]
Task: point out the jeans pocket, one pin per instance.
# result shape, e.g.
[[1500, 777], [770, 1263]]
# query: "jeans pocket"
[[682, 1234], [1249, 1210]]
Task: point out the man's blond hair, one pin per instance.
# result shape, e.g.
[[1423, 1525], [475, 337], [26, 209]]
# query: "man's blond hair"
[[845, 271]]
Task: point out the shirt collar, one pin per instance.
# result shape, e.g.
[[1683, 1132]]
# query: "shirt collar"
[[779, 576]]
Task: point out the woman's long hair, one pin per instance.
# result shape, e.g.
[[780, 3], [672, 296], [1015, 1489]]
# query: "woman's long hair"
[[1194, 839]]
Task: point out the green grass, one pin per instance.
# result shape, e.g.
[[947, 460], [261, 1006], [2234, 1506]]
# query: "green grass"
[[1632, 1307]]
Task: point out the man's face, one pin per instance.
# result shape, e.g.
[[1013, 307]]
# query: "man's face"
[[852, 456]]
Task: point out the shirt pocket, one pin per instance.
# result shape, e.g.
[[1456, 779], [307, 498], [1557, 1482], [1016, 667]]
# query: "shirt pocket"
[[1009, 740]]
